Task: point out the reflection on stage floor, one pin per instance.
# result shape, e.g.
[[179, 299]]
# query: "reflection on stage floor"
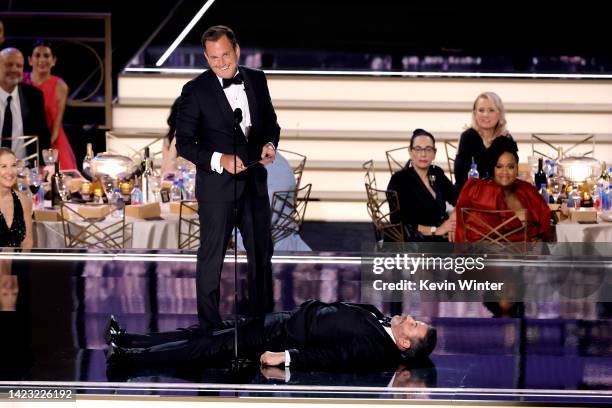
[[55, 308]]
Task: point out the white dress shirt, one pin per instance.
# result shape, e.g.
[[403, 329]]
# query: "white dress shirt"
[[17, 119], [237, 98]]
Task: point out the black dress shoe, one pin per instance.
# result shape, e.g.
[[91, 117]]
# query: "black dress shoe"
[[113, 331]]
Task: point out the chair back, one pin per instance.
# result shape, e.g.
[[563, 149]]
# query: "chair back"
[[84, 232], [556, 146], [451, 151], [288, 209], [298, 162], [494, 226], [397, 158], [370, 173], [189, 225], [26, 141], [381, 205]]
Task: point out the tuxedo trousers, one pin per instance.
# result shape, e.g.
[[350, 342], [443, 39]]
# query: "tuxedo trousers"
[[216, 225], [193, 345]]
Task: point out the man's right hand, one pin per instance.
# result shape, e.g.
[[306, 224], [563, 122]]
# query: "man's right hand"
[[227, 162]]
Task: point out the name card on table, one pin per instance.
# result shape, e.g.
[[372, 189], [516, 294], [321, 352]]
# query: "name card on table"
[[583, 215], [142, 211]]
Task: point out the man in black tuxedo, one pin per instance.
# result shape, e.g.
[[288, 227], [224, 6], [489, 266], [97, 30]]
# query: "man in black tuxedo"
[[205, 136], [26, 116], [329, 336]]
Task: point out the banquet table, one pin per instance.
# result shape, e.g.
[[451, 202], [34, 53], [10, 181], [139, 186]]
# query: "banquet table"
[[157, 234], [569, 231]]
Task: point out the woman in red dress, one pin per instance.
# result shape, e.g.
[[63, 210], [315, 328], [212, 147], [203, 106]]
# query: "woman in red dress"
[[55, 92], [503, 192]]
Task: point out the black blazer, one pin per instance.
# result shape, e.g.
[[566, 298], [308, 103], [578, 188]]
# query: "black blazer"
[[32, 104], [339, 336], [470, 145], [205, 123], [417, 205]]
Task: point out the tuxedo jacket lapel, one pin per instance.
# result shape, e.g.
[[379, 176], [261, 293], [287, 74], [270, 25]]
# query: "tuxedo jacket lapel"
[[250, 93], [222, 102], [25, 109]]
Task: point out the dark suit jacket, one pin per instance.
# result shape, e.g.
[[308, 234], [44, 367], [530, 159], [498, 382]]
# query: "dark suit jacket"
[[34, 119], [205, 125], [339, 336], [416, 204]]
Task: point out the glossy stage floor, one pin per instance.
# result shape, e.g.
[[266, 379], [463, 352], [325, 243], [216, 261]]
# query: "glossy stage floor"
[[57, 304]]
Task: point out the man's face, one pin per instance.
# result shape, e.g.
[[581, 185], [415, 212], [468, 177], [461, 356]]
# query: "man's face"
[[222, 57], [407, 330], [11, 69]]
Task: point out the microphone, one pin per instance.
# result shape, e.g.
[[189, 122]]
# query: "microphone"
[[237, 116]]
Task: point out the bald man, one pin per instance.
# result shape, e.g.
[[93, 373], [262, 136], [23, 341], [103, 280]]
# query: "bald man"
[[26, 116]]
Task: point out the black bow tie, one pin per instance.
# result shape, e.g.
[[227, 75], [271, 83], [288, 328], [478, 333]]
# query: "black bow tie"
[[235, 80], [385, 321]]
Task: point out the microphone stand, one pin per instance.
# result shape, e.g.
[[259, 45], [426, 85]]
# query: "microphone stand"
[[238, 363]]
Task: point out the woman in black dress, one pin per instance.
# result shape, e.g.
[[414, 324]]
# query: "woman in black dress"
[[423, 191], [15, 208], [488, 122]]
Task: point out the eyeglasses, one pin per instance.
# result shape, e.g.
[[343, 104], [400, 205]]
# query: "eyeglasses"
[[419, 150]]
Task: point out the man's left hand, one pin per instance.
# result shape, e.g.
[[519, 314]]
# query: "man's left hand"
[[268, 154], [270, 358]]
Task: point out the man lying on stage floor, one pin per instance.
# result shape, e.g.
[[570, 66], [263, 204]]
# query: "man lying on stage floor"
[[328, 336]]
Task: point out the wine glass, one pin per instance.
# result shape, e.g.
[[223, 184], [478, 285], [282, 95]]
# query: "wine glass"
[[50, 156], [155, 186], [62, 188]]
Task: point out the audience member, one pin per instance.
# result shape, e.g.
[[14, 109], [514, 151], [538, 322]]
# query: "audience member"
[[504, 191], [55, 92], [423, 191], [488, 122], [15, 208], [169, 154], [281, 178], [26, 115]]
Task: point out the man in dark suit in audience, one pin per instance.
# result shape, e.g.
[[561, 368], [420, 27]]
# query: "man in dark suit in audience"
[[205, 136], [329, 336], [26, 113]]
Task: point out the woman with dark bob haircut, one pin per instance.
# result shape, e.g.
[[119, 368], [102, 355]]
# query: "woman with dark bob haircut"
[[503, 191], [423, 191]]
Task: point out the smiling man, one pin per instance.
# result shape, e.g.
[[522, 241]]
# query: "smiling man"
[[328, 336], [205, 135], [22, 109]]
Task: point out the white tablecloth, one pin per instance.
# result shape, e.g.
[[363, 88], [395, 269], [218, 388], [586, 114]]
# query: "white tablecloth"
[[568, 231], [145, 234]]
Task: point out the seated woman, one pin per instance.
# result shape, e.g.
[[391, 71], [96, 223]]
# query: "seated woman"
[[423, 191], [503, 192], [15, 208], [169, 154], [488, 122]]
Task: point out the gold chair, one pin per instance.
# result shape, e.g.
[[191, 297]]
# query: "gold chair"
[[84, 232], [558, 152], [451, 151], [288, 210], [381, 205], [479, 224], [397, 158], [26, 141], [370, 173], [189, 225], [298, 169]]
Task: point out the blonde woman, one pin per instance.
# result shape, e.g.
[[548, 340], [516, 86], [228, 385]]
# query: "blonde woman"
[[15, 208], [488, 122]]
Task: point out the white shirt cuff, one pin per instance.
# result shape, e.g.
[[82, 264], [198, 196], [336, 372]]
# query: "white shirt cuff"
[[215, 162], [287, 358]]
